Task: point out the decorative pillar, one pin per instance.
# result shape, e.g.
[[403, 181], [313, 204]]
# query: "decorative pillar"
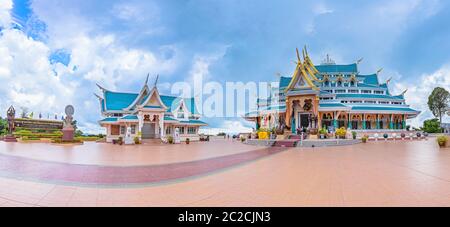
[[391, 125], [404, 122], [364, 121], [319, 121], [161, 125], [378, 121], [335, 125], [294, 129], [349, 120]]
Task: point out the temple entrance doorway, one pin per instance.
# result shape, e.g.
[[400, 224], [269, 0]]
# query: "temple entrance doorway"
[[304, 120], [148, 131]]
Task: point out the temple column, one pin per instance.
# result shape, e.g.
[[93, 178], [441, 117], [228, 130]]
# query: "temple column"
[[404, 121], [349, 120], [161, 125], [293, 126], [377, 120], [335, 125], [364, 121], [319, 121], [391, 124]]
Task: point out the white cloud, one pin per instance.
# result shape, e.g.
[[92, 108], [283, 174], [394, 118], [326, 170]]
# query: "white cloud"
[[31, 80], [321, 8], [5, 17], [418, 92], [229, 127]]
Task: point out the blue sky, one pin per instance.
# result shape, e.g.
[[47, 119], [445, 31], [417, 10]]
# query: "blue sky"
[[116, 43]]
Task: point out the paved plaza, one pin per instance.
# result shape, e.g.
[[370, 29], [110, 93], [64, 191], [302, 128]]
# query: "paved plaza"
[[225, 173]]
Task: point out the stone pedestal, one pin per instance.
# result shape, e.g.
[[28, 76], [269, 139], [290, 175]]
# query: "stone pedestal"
[[10, 138], [68, 134]]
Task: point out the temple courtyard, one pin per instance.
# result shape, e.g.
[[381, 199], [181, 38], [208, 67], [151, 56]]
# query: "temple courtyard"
[[225, 173]]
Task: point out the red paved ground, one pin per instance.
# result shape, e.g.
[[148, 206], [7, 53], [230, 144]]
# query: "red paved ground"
[[19, 167]]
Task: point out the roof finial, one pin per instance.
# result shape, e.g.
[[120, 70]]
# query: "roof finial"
[[359, 60], [298, 55], [404, 91], [379, 71], [389, 80], [156, 80], [146, 80], [101, 88]]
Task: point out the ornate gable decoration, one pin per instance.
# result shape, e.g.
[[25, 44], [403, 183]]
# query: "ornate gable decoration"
[[305, 73]]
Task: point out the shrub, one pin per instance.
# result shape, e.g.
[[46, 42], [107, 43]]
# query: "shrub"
[[170, 139], [441, 140], [341, 132], [354, 135], [432, 126], [136, 140], [364, 138]]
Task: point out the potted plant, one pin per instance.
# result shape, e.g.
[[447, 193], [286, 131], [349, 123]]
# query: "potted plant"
[[322, 133], [170, 139], [442, 140], [187, 140], [364, 138], [341, 132], [120, 141], [354, 135], [263, 134], [136, 140], [242, 139]]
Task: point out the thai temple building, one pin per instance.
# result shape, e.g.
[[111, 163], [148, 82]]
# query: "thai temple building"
[[331, 96], [148, 114]]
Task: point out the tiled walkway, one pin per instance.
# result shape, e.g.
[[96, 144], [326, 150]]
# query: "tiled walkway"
[[409, 173]]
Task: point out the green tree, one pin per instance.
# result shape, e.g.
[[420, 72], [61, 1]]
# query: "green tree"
[[78, 133], [3, 126], [432, 126], [438, 102]]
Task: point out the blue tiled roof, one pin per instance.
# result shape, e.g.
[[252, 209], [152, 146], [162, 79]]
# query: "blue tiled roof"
[[117, 100], [369, 79], [168, 100], [152, 107], [190, 104], [337, 68], [193, 122], [130, 117], [338, 96], [380, 108], [284, 81], [280, 108], [332, 105], [167, 118], [110, 119]]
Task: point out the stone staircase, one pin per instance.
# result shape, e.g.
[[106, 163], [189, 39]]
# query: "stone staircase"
[[286, 143]]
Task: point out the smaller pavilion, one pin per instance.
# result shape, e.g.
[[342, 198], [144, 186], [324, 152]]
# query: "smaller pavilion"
[[148, 114]]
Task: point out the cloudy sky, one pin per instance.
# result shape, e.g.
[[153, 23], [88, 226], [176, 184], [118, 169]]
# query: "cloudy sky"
[[53, 52]]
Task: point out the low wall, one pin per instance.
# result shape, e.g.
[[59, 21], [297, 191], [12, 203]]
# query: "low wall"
[[257, 142], [327, 142]]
